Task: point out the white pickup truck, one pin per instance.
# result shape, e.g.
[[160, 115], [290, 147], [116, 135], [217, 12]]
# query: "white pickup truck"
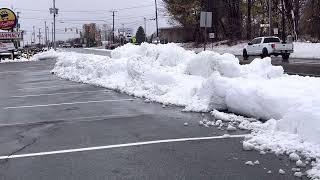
[[267, 46]]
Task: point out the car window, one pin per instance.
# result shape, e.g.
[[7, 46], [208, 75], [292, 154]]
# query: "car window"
[[271, 40], [256, 41]]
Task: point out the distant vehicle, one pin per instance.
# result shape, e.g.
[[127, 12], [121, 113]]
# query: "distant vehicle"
[[267, 46], [78, 46], [112, 46], [66, 45]]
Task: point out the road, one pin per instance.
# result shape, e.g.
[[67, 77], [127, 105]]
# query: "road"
[[57, 129]]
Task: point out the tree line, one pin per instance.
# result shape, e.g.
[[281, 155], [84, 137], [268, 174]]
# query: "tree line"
[[242, 19]]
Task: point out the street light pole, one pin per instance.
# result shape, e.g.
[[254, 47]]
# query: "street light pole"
[[45, 33], [145, 28], [157, 25], [113, 15]]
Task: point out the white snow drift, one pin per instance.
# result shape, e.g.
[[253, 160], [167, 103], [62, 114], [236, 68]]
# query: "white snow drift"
[[206, 81]]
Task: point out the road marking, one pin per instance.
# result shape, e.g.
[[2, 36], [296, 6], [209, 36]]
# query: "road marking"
[[120, 146], [4, 72], [61, 104], [79, 119], [47, 87], [52, 94]]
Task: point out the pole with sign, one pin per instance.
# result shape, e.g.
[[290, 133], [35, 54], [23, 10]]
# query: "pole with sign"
[[8, 21], [205, 22]]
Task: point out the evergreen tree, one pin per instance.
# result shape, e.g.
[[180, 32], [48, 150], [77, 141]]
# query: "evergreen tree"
[[140, 35]]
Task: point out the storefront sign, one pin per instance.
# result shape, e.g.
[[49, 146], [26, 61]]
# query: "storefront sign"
[[10, 35], [5, 47], [8, 19]]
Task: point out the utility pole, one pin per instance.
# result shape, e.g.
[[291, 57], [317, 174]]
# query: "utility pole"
[[52, 32], [157, 25], [54, 11], [45, 33], [145, 28], [270, 27], [39, 36], [34, 35], [113, 14]]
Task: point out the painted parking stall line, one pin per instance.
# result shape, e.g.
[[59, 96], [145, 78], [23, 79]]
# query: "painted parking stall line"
[[61, 104], [120, 146], [54, 94], [48, 87], [78, 119]]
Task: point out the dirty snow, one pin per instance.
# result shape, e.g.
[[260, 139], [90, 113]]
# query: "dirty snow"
[[210, 81]]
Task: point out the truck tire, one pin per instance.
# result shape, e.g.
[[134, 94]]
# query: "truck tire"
[[264, 53], [285, 57], [245, 54]]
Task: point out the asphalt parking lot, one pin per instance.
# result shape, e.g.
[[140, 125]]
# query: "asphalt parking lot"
[[56, 129]]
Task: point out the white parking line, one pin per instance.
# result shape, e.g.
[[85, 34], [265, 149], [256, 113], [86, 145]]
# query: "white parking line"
[[120, 146], [7, 72], [61, 104], [48, 87], [78, 119], [53, 94]]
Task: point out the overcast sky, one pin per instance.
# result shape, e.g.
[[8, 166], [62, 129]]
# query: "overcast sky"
[[74, 13]]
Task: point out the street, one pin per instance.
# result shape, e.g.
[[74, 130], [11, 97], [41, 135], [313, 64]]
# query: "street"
[[43, 114]]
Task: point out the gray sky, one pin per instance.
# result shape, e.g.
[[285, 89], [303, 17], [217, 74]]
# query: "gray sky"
[[74, 13]]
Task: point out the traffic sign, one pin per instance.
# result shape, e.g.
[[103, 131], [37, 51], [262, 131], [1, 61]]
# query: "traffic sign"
[[211, 35], [206, 19], [264, 25]]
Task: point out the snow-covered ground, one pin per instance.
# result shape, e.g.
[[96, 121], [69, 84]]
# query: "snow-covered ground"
[[301, 49], [207, 82]]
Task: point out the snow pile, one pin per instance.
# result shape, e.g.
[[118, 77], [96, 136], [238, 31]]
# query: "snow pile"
[[206, 81], [15, 60], [51, 54], [306, 50]]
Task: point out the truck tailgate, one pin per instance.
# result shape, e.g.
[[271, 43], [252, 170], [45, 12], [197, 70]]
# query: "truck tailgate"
[[284, 47]]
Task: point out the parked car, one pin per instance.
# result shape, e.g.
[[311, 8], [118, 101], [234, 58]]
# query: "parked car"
[[78, 46], [112, 46], [66, 45], [267, 46]]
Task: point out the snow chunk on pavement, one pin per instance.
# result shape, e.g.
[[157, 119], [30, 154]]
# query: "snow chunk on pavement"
[[231, 128], [249, 163], [294, 157], [298, 174], [281, 171], [247, 146]]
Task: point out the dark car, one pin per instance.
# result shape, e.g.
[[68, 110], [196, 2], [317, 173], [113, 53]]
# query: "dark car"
[[78, 46]]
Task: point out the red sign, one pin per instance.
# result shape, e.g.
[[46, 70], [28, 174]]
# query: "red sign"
[[10, 35]]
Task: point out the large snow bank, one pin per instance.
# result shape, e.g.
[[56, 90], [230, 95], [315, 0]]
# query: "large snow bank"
[[206, 81], [306, 50]]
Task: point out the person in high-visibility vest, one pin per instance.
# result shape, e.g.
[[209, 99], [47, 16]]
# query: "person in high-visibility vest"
[[134, 40]]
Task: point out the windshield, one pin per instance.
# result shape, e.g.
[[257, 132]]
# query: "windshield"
[[271, 40]]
